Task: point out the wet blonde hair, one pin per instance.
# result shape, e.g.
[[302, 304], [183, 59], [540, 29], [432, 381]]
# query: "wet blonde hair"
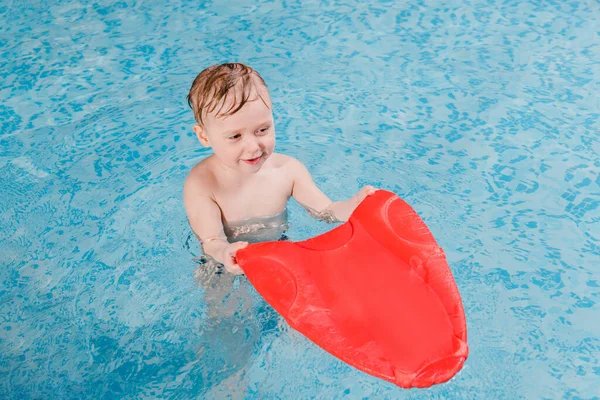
[[214, 84]]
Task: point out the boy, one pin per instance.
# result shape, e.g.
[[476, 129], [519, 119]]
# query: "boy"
[[244, 180]]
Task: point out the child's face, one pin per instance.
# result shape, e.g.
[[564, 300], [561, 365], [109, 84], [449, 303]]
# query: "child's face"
[[244, 140]]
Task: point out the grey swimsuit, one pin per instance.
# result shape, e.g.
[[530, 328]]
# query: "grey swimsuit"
[[261, 229], [251, 230]]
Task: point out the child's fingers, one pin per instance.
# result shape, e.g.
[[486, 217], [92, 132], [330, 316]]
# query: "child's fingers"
[[234, 269], [239, 245], [370, 190], [367, 191], [232, 265], [234, 247]]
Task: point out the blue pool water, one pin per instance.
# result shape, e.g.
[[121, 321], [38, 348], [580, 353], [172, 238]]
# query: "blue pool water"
[[483, 115]]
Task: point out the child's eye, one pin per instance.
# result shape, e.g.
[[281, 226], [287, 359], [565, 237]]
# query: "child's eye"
[[234, 137], [264, 130]]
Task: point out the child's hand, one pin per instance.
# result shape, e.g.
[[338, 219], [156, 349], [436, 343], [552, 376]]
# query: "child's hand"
[[229, 260], [343, 209], [362, 193]]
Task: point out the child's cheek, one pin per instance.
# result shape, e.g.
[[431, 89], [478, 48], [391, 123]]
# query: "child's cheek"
[[271, 143]]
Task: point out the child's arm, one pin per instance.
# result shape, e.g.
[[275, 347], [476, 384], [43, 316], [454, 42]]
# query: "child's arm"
[[204, 216], [317, 204]]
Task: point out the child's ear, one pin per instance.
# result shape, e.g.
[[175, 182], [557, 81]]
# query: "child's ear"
[[201, 134]]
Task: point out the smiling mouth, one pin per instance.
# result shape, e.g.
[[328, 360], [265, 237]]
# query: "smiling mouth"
[[253, 161]]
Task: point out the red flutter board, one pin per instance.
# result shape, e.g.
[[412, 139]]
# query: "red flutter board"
[[375, 292]]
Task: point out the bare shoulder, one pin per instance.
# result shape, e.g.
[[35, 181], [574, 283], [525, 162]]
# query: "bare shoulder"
[[287, 163], [200, 181]]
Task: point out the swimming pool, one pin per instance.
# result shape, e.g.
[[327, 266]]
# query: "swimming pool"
[[482, 115]]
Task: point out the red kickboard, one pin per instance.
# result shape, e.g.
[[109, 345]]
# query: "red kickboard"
[[376, 292]]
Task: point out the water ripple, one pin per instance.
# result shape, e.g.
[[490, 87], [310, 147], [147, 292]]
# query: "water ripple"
[[482, 116]]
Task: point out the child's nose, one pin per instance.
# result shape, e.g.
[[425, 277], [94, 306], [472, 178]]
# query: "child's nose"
[[254, 143]]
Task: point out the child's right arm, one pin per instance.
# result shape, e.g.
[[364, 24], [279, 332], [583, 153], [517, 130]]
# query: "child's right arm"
[[205, 219]]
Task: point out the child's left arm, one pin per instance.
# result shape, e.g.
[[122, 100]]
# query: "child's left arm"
[[318, 205]]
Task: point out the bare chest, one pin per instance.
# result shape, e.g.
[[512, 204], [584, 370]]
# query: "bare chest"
[[260, 198]]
